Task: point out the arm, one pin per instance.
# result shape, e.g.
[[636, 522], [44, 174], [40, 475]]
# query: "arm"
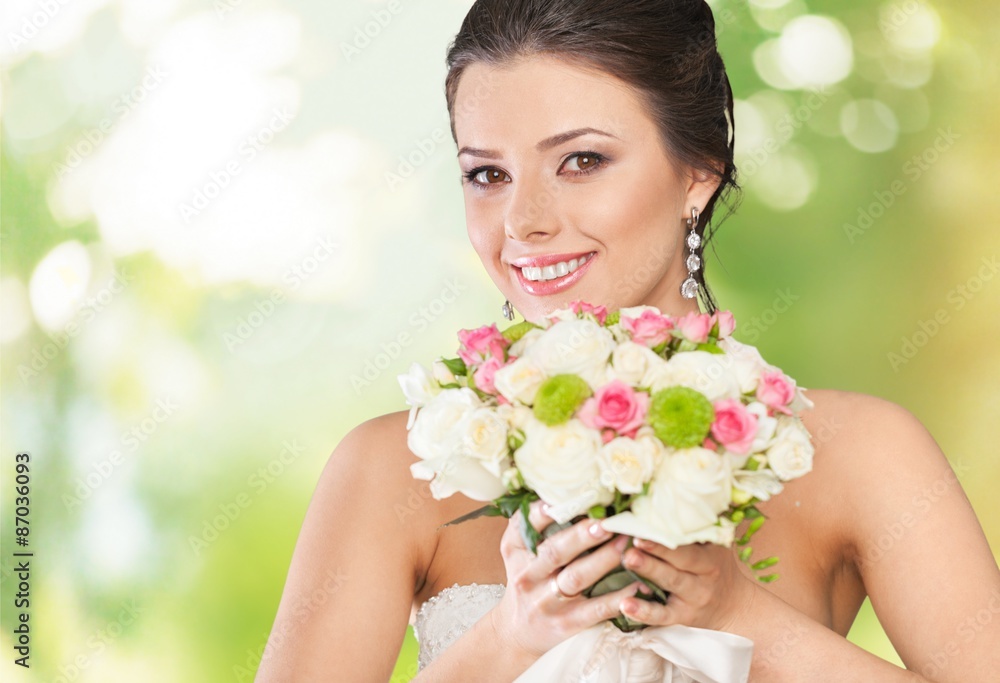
[[350, 586], [922, 555]]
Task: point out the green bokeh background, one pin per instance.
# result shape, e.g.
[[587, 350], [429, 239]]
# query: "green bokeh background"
[[121, 550]]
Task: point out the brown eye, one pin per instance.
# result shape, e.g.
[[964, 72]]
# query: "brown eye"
[[490, 176], [584, 162]]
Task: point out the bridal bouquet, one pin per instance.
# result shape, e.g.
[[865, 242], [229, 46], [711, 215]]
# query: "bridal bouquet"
[[666, 427]]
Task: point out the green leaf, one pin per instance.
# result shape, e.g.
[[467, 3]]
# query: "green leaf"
[[710, 347], [485, 511], [518, 330], [745, 554], [612, 318], [456, 365], [529, 533], [768, 578]]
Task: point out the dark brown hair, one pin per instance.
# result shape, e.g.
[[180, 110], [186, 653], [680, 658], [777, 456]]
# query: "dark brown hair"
[[664, 49]]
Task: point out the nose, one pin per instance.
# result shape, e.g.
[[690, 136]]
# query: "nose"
[[531, 212]]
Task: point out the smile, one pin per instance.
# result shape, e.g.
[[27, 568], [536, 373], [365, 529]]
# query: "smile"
[[555, 270], [551, 274]]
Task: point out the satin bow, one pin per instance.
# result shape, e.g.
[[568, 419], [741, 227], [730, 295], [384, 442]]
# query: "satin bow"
[[655, 654]]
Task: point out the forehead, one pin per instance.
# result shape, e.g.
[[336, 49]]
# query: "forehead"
[[540, 95]]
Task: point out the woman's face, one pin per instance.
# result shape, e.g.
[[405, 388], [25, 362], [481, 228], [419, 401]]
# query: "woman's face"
[[561, 164]]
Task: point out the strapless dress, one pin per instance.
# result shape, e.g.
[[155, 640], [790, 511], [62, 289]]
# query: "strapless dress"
[[599, 654]]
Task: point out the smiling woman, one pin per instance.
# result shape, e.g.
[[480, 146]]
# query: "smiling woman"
[[595, 141]]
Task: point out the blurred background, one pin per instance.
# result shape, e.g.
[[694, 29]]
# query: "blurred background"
[[227, 225]]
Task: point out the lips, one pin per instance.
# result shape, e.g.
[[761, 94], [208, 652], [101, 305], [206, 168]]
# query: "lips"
[[556, 285]]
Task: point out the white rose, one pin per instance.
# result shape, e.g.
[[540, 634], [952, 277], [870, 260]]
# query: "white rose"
[[519, 380], [438, 430], [801, 401], [766, 426], [458, 474], [636, 311], [485, 439], [631, 361], [560, 464], [699, 370], [626, 464], [515, 414], [418, 388], [690, 489], [579, 347], [791, 451], [761, 483], [747, 363], [527, 339], [442, 375]]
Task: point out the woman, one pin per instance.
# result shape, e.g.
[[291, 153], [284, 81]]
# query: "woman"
[[589, 133]]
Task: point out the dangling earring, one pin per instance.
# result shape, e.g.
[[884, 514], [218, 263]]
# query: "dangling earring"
[[689, 288], [507, 310]]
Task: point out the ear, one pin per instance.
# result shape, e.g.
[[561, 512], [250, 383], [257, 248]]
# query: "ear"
[[701, 186]]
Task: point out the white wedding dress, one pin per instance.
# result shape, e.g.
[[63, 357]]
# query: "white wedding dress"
[[599, 654]]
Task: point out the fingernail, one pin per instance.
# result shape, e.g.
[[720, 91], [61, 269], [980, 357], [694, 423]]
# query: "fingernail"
[[546, 507], [597, 531]]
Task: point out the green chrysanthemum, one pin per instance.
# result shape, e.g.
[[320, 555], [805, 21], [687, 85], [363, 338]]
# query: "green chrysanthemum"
[[558, 398], [680, 416]]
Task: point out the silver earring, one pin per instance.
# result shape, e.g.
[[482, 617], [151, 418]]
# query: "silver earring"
[[689, 288], [507, 310]]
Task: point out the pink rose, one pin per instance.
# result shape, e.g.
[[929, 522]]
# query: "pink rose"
[[599, 312], [726, 322], [480, 343], [617, 406], [734, 427], [695, 326], [483, 376], [776, 390], [650, 328]]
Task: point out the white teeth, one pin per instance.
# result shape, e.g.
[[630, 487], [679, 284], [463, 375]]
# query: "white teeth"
[[553, 271]]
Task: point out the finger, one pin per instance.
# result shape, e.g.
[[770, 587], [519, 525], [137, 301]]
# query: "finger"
[[663, 574], [562, 547], [649, 612], [695, 558], [588, 569], [602, 607], [537, 516]]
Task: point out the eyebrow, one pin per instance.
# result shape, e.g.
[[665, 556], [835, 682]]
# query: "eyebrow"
[[547, 143]]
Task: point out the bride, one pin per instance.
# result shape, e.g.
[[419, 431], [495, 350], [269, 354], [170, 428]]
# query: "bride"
[[588, 134]]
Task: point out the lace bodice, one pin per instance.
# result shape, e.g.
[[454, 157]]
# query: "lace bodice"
[[444, 617]]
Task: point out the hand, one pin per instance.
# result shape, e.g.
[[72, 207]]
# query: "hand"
[[531, 616], [707, 588]]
